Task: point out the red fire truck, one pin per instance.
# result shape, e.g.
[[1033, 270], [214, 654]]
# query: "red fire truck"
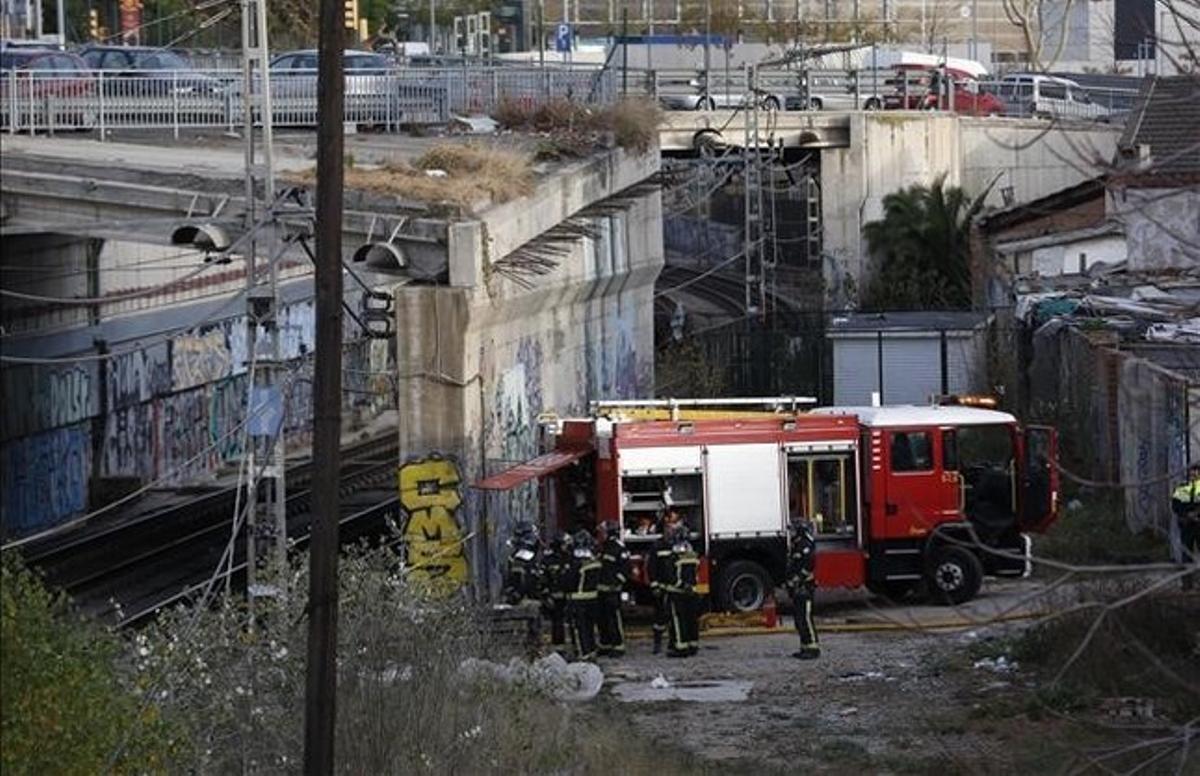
[[901, 496]]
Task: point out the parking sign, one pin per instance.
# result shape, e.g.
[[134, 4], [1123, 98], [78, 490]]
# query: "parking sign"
[[562, 38]]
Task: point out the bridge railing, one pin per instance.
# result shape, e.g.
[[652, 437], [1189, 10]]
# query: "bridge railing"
[[36, 101]]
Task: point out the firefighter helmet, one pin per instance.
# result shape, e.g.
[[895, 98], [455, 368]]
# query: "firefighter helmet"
[[583, 543]]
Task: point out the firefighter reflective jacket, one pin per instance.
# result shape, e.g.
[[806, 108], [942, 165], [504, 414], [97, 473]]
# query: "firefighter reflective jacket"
[[584, 575], [1185, 500], [800, 564], [557, 565], [662, 568], [685, 567], [614, 565]]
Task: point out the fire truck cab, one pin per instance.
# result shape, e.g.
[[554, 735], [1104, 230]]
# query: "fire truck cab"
[[900, 497]]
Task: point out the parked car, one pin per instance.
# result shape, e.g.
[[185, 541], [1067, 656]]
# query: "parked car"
[[45, 87], [377, 92], [919, 89], [717, 97], [1044, 96], [160, 71], [145, 86]]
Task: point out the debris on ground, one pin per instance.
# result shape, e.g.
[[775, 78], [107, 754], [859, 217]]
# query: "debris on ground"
[[660, 689], [1128, 708], [476, 125], [551, 675], [1000, 665], [862, 676]]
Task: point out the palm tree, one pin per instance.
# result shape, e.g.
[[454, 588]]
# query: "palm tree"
[[919, 249]]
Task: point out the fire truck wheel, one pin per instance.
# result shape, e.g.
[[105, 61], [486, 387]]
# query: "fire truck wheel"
[[743, 587], [954, 575]]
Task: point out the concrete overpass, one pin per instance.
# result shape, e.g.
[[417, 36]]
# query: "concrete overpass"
[[687, 131]]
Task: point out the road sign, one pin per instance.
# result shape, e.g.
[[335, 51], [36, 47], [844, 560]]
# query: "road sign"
[[562, 38]]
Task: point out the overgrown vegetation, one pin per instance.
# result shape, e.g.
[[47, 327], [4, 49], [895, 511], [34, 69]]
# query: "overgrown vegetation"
[[67, 704], [234, 693], [1091, 530], [573, 129], [920, 251], [1102, 647], [464, 177], [685, 369]]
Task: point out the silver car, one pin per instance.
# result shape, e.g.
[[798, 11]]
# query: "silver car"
[[717, 97]]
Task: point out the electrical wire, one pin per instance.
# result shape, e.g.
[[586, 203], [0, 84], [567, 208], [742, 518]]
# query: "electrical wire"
[[89, 300]]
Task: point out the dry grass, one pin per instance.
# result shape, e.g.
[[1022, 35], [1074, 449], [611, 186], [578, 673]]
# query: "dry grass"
[[574, 130], [475, 176]]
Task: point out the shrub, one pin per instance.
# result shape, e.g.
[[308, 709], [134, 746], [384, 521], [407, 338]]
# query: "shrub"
[[65, 704]]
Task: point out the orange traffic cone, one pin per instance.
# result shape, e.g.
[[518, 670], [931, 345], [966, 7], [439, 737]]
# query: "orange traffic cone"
[[769, 613]]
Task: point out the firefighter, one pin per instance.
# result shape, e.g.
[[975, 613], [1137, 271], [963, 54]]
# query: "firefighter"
[[523, 582], [583, 579], [801, 583], [614, 573], [1185, 503], [556, 562], [660, 574], [683, 604]]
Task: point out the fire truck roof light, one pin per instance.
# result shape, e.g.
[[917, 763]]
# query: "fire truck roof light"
[[967, 400]]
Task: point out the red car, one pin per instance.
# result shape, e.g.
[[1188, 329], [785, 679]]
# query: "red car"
[[37, 85], [918, 89]]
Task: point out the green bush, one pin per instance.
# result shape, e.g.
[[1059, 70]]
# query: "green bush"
[[65, 704]]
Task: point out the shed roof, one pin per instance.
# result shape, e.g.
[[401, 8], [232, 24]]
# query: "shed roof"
[[1164, 119], [918, 322]]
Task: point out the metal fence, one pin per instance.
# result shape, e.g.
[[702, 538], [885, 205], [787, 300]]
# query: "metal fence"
[[876, 89], [53, 101]]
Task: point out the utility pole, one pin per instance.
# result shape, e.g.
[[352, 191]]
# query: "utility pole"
[[266, 530], [320, 711]]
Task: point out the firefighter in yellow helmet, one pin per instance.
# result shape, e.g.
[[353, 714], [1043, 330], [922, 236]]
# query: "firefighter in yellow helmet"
[[1185, 503]]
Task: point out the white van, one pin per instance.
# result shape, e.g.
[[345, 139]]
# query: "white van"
[[1045, 96]]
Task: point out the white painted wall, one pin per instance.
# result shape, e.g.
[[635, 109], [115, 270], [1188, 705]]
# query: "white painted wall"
[[890, 151], [1068, 258]]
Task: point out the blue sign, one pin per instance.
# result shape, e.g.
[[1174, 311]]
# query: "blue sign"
[[562, 38]]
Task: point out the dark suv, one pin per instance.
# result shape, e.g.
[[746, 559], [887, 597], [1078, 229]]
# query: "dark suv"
[[146, 86], [169, 70]]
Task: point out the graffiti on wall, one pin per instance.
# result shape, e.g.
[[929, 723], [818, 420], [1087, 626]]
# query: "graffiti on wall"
[[129, 445], [138, 376], [184, 439], [197, 359], [44, 479], [39, 398], [430, 497]]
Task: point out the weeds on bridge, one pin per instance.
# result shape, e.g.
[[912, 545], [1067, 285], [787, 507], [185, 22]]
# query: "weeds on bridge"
[[574, 130]]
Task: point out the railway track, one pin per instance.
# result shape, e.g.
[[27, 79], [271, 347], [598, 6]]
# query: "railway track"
[[125, 570]]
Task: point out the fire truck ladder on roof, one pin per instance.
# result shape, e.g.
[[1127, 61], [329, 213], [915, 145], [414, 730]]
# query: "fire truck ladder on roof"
[[770, 404]]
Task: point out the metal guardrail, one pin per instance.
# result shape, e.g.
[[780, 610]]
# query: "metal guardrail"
[[51, 101]]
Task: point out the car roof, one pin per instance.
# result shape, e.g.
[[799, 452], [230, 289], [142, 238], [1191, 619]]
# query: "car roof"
[[345, 53], [921, 415]]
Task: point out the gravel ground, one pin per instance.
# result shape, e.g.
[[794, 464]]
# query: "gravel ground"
[[876, 701]]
